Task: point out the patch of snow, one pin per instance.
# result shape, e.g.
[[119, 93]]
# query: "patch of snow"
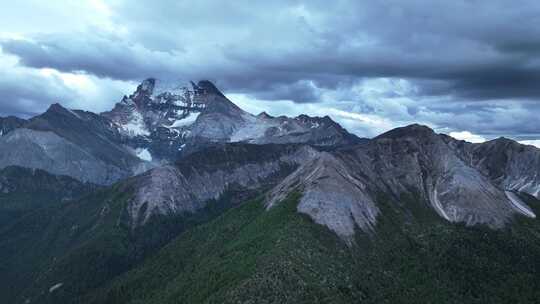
[[171, 89], [128, 101], [74, 114], [55, 287], [143, 154], [438, 206], [518, 204], [253, 128], [186, 121], [181, 103], [536, 192], [179, 112], [135, 126]]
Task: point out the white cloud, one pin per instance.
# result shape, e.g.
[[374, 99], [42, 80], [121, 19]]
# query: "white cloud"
[[361, 124], [467, 136], [26, 91], [534, 142], [367, 76], [93, 93]]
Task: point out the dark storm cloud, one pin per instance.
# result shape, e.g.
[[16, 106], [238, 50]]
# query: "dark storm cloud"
[[27, 94], [300, 91], [452, 52], [478, 50], [100, 55], [492, 118]]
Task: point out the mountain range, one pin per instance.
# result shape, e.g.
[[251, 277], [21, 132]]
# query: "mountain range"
[[180, 196]]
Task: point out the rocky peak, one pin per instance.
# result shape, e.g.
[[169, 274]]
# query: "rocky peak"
[[142, 97], [265, 115], [205, 92], [206, 87], [503, 142], [146, 87], [332, 195], [316, 121], [413, 130], [57, 110], [10, 123], [507, 163], [163, 101], [192, 182], [169, 122]]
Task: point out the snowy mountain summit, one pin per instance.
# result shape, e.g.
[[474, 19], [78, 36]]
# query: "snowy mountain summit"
[[163, 124], [154, 125], [145, 110]]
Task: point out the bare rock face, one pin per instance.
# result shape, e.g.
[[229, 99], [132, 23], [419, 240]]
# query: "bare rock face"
[[339, 188], [188, 186], [460, 194], [332, 195], [416, 158], [79, 144], [506, 163], [319, 131], [509, 164], [168, 191], [10, 123], [48, 151]]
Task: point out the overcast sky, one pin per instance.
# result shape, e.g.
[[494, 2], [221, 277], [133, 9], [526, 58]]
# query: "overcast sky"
[[467, 67]]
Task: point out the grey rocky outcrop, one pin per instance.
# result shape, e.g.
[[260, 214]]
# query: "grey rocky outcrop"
[[48, 151], [415, 158], [331, 195], [206, 144], [510, 165], [340, 188], [188, 186], [10, 123], [79, 144]]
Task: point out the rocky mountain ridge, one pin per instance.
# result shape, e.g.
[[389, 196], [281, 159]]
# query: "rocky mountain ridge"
[[169, 124], [148, 128], [79, 144], [10, 123], [294, 194], [460, 181], [342, 188]]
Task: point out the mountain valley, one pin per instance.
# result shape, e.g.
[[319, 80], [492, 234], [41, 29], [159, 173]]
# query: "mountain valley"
[[180, 196]]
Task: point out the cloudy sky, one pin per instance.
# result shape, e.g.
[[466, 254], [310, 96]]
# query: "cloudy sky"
[[470, 68]]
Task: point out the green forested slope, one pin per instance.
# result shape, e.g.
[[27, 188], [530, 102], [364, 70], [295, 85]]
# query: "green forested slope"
[[249, 255], [82, 245], [24, 190]]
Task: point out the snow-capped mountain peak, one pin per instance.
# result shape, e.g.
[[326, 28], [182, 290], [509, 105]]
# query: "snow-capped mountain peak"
[[170, 120], [147, 86]]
